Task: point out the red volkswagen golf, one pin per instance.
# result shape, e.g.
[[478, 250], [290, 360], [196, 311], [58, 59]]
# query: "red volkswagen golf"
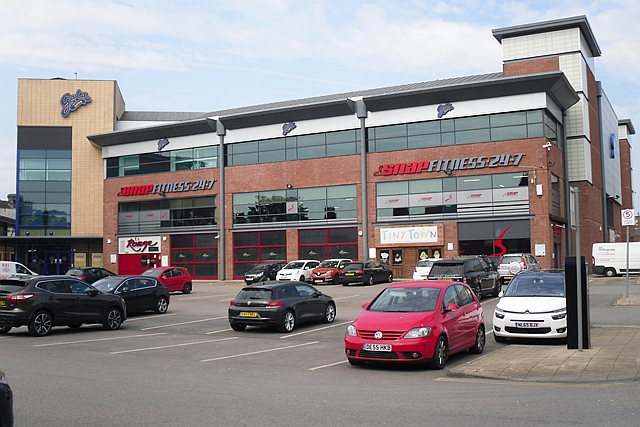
[[422, 322]]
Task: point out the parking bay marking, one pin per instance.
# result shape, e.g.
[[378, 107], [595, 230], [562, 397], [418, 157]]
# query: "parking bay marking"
[[154, 316], [316, 329], [260, 352], [329, 365], [184, 323], [99, 339], [205, 297], [172, 345]]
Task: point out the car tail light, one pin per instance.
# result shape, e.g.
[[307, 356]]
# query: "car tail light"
[[20, 297], [82, 277], [274, 304], [232, 303]]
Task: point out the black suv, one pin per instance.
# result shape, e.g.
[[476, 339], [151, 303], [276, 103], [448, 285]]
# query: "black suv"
[[474, 271]]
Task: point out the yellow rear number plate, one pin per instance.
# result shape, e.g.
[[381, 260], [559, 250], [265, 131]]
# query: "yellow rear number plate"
[[248, 314], [2, 302]]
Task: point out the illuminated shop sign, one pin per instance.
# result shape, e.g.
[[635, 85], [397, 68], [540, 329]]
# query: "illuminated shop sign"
[[392, 236], [71, 102], [171, 187], [463, 163], [139, 245]]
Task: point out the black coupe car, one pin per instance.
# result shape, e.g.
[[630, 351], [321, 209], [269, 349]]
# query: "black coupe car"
[[141, 293], [280, 304]]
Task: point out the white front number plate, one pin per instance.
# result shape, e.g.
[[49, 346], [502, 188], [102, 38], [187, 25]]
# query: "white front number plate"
[[376, 347], [526, 325]]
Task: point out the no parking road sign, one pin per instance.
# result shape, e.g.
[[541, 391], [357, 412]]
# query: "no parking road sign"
[[628, 217]]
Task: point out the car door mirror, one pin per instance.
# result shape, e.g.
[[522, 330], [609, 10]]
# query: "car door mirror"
[[93, 292], [501, 294], [317, 294], [365, 305], [452, 307], [163, 277]]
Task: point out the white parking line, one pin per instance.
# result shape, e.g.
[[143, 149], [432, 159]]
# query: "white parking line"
[[205, 297], [259, 352], [172, 346], [328, 366], [154, 316], [184, 323], [100, 339], [350, 296], [221, 330], [314, 330]]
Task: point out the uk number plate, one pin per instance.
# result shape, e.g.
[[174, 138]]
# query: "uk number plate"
[[376, 347], [348, 274], [248, 314], [2, 302], [527, 325]]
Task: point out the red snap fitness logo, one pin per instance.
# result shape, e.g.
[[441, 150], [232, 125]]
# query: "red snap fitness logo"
[[463, 163]]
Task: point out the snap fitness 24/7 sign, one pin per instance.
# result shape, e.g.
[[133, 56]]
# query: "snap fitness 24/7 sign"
[[442, 165]]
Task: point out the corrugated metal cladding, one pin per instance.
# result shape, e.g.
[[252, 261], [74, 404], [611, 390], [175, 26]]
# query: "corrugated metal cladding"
[[44, 137]]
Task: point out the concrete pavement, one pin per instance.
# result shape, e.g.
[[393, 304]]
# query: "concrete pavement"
[[614, 355]]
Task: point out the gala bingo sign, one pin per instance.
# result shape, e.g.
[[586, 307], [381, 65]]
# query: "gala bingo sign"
[[139, 245]]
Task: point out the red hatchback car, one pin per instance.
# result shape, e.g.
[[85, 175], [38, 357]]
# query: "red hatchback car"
[[176, 279], [422, 322]]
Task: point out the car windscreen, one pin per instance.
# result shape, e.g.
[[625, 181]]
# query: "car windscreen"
[[443, 270], [547, 285], [353, 266], [152, 273], [328, 264], [510, 259], [406, 300], [294, 266], [260, 267], [11, 286], [255, 294], [107, 284], [425, 263]]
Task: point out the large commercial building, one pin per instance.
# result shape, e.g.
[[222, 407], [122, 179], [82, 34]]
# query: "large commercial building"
[[487, 164]]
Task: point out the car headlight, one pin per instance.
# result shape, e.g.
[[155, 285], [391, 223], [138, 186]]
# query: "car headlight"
[[499, 313], [418, 332], [560, 314], [352, 331]]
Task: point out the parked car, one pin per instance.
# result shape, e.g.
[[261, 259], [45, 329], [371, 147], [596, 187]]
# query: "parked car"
[[474, 271], [14, 269], [512, 264], [367, 273], [491, 261], [298, 270], [280, 304], [533, 306], [6, 402], [89, 274], [43, 302], [421, 272], [140, 293], [328, 271], [263, 272], [417, 322], [176, 279]]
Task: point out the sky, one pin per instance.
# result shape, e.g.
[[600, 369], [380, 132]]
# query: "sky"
[[203, 56]]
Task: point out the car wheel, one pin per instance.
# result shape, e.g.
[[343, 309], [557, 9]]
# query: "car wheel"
[[356, 362], [162, 305], [113, 319], [187, 288], [370, 281], [40, 324], [440, 354], [478, 347], [302, 279], [609, 272], [499, 339], [287, 322], [330, 313], [498, 288], [478, 291], [238, 327], [5, 329]]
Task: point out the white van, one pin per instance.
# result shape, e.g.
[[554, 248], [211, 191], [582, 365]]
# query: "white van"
[[14, 269], [610, 259]]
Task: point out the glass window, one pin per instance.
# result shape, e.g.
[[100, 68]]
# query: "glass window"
[[508, 119], [510, 180], [508, 132], [478, 182], [392, 188], [467, 123], [472, 136], [425, 186]]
